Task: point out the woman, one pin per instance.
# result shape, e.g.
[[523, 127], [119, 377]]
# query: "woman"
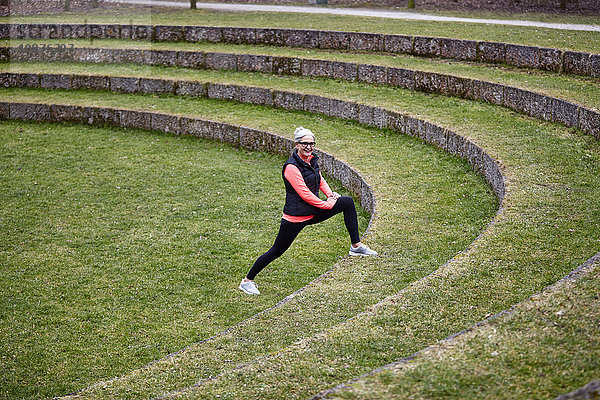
[[304, 207]]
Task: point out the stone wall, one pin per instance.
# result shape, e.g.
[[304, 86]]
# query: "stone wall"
[[523, 101], [469, 50], [364, 114]]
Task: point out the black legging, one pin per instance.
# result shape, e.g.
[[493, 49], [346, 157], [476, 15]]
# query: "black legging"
[[289, 230]]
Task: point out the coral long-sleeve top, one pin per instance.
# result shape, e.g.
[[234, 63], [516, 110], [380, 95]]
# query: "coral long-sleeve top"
[[294, 177]]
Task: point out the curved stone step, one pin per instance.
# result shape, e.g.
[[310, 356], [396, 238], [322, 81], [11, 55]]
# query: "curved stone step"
[[523, 101], [465, 50], [368, 115]]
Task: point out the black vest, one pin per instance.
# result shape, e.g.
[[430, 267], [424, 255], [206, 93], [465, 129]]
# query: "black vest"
[[294, 205]]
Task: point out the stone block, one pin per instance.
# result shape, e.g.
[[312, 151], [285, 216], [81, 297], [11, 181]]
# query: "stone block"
[[239, 35], [169, 33], [252, 139], [459, 87], [30, 112], [190, 88], [100, 31], [414, 127], [74, 31], [137, 32], [97, 31], [492, 93], [96, 55], [589, 122], [57, 54], [271, 37], [254, 95], [221, 61], [17, 80], [4, 110], [316, 104], [195, 127], [102, 116], [425, 82], [226, 133], [4, 54], [396, 122], [301, 38], [366, 41], [565, 113], [344, 70], [50, 31], [165, 123], [576, 63], [365, 114], [381, 117], [325, 161], [550, 59], [398, 44], [456, 144], [135, 119], [595, 65], [128, 56], [459, 49], [427, 46], [167, 58], [372, 74], [67, 113], [401, 77], [113, 31], [367, 198], [17, 31], [124, 85], [522, 56], [90, 82], [31, 31], [254, 63], [288, 100], [190, 59], [286, 65], [436, 135], [474, 156], [281, 145], [491, 52], [203, 34], [317, 68], [157, 86], [493, 175], [354, 182], [221, 91], [516, 99], [343, 109], [333, 40], [4, 31], [540, 106], [56, 82], [24, 55]]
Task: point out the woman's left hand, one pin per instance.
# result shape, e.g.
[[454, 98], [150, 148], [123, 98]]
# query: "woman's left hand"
[[335, 195]]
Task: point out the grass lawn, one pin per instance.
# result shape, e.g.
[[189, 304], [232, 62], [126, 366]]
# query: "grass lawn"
[[135, 241], [84, 222]]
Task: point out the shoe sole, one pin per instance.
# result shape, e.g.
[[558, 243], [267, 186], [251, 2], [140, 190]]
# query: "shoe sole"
[[360, 254], [247, 292]]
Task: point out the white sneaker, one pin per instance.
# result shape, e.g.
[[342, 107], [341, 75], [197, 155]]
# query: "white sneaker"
[[248, 287], [362, 250]]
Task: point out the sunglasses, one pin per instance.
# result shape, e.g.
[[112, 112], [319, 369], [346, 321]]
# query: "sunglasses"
[[307, 144]]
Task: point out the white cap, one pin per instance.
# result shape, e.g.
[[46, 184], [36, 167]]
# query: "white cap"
[[300, 132]]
